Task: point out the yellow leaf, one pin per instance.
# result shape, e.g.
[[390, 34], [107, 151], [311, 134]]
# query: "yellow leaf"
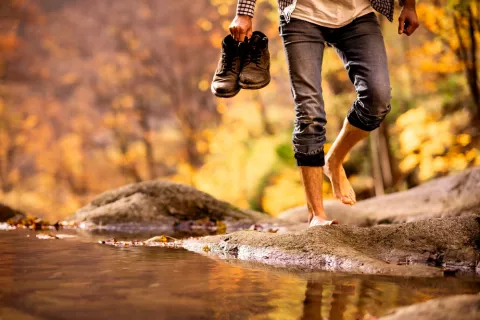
[[203, 85], [464, 139], [20, 140], [30, 122], [127, 101], [408, 163], [204, 24], [162, 239], [223, 10]]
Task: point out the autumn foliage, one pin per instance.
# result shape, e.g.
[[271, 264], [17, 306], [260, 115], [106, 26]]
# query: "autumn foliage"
[[98, 94]]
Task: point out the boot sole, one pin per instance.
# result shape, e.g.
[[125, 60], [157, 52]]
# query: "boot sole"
[[254, 86]]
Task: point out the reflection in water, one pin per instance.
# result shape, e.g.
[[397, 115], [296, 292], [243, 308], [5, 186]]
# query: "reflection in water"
[[349, 299], [77, 278], [346, 300]]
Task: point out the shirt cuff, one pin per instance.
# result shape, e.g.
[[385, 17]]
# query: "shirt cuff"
[[246, 7]]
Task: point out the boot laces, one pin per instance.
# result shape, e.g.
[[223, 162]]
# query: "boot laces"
[[227, 60], [254, 56]]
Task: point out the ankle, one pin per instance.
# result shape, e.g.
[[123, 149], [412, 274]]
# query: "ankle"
[[321, 216]]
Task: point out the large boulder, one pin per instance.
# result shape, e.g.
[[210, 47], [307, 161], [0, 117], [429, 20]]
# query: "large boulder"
[[160, 204], [408, 249], [462, 307], [7, 213], [444, 197]]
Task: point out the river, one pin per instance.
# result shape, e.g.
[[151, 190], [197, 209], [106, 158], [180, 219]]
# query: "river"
[[78, 278]]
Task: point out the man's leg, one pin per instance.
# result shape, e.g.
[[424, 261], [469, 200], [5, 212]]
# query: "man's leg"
[[312, 178], [360, 45], [304, 45], [348, 137]]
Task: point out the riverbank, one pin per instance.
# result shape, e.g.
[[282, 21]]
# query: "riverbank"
[[423, 248]]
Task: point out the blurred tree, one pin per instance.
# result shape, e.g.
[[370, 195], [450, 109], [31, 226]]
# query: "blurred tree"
[[97, 94], [463, 18], [15, 123]]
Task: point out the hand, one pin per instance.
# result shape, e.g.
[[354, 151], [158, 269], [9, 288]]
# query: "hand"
[[241, 27], [408, 16]]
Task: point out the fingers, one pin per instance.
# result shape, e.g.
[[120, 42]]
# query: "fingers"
[[411, 28], [238, 34], [241, 27], [401, 24], [234, 32], [249, 33], [241, 36]]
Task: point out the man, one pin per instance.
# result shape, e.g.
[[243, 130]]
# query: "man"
[[352, 28]]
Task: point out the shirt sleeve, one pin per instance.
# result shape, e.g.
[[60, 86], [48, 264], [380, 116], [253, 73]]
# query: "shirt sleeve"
[[246, 7]]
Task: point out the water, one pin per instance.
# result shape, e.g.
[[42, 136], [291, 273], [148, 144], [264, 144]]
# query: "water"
[[80, 279]]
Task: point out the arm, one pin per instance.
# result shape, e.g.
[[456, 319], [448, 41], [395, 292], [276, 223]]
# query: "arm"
[[408, 17], [241, 25]]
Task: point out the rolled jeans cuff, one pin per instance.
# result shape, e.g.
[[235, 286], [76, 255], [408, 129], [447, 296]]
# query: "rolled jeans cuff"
[[310, 160], [355, 121]]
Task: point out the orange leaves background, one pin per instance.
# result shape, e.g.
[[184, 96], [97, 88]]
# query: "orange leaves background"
[[98, 94]]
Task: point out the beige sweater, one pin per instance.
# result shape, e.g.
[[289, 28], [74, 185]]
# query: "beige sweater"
[[331, 13]]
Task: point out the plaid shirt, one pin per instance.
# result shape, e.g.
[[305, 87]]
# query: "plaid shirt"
[[286, 7]]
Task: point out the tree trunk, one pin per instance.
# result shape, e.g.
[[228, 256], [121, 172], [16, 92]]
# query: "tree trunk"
[[385, 156], [128, 170], [144, 114], [469, 59], [267, 126], [376, 166], [473, 63]]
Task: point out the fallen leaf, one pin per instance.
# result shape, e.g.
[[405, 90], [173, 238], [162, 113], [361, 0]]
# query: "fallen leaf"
[[49, 236], [158, 239]]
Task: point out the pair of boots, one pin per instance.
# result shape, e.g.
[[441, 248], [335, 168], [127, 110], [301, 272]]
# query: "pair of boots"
[[243, 65]]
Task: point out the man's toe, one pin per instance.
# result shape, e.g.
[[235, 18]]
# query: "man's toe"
[[347, 200]]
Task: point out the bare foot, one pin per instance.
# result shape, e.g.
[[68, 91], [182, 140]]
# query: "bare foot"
[[341, 186], [316, 221]]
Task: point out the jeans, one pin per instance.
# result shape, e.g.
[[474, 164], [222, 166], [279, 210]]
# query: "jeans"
[[360, 46]]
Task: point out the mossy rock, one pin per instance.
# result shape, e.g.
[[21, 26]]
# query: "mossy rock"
[[160, 203]]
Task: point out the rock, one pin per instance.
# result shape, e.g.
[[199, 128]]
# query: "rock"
[[160, 204], [444, 197], [408, 249], [462, 307], [8, 213]]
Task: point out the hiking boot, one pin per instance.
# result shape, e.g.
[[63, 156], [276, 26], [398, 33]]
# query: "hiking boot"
[[225, 80], [256, 67]]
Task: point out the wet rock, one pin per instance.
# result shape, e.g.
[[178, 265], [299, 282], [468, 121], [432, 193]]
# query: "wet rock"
[[162, 204], [444, 197], [7, 213], [462, 307], [421, 248]]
